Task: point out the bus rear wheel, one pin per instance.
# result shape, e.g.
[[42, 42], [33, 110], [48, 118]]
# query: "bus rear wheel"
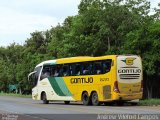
[[85, 98], [94, 98], [44, 98]]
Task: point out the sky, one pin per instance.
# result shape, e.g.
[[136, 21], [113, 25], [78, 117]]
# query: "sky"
[[19, 18]]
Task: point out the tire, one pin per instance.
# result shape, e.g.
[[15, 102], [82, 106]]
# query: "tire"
[[85, 99], [66, 102], [94, 98], [44, 98]]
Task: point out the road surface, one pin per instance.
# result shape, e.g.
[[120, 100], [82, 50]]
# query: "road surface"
[[28, 109]]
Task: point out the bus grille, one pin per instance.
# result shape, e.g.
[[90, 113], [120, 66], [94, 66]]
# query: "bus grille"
[[107, 92], [129, 76]]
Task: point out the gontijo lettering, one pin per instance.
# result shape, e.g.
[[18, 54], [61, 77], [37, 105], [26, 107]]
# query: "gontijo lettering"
[[129, 71], [81, 80]]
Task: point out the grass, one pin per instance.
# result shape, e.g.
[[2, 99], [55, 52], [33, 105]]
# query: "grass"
[[149, 102], [15, 95]]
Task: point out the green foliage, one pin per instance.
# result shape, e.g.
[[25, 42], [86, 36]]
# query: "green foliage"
[[150, 102], [101, 27]]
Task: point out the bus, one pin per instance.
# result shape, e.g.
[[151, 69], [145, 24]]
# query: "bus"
[[91, 80]]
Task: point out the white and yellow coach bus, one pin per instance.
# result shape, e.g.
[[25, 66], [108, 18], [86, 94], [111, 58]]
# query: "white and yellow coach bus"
[[91, 80]]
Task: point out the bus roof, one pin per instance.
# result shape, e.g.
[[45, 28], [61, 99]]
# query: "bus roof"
[[75, 59], [83, 58], [46, 62]]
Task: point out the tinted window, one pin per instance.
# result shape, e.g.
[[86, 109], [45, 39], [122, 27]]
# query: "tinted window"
[[58, 71], [81, 68], [36, 75], [66, 70], [75, 69], [87, 68], [98, 67], [107, 66], [46, 72]]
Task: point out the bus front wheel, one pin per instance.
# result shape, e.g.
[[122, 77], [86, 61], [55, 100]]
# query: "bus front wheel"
[[94, 98], [85, 98], [44, 98]]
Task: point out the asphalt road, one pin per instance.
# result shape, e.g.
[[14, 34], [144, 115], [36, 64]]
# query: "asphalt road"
[[28, 109]]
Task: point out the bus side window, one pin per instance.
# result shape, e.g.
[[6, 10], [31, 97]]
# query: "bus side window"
[[58, 71], [107, 65], [72, 67], [77, 69], [69, 69], [66, 70], [53, 70], [98, 67], [87, 68], [46, 72]]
